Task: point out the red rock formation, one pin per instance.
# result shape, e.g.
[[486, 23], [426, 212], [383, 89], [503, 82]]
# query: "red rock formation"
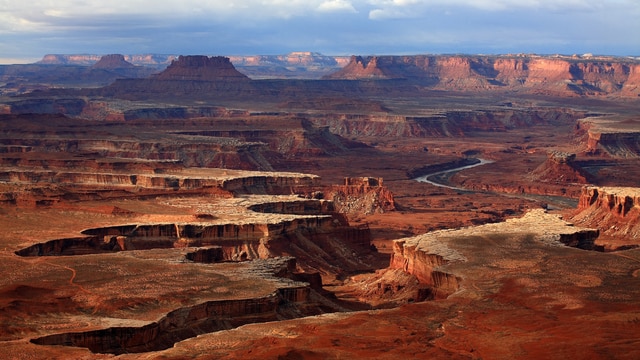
[[560, 76], [201, 68], [363, 68], [113, 61], [559, 168], [360, 196], [620, 139], [615, 211]]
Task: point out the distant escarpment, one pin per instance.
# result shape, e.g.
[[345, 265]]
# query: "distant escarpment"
[[615, 211], [54, 72], [545, 75]]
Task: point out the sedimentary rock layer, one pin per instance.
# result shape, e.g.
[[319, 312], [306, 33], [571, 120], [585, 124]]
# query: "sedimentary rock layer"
[[563, 76], [432, 257], [613, 210]]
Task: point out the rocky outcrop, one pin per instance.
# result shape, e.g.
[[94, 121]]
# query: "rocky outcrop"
[[433, 258], [551, 75], [201, 68], [615, 211], [113, 61], [611, 135], [298, 64], [617, 144], [70, 59], [424, 261], [559, 168], [361, 196], [147, 60]]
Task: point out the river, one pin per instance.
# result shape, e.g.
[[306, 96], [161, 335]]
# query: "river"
[[427, 178], [440, 179]]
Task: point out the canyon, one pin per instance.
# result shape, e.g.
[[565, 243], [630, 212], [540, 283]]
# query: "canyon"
[[203, 211]]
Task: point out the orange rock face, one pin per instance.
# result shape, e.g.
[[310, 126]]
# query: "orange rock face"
[[532, 74], [615, 211]]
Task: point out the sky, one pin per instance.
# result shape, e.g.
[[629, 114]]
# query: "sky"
[[29, 29]]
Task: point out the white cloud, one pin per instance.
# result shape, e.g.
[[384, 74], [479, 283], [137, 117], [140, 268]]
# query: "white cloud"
[[29, 27], [390, 9], [383, 8], [336, 5]]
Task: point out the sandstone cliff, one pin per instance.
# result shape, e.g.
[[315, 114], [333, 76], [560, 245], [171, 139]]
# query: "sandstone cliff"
[[360, 196], [548, 75], [612, 135], [615, 211]]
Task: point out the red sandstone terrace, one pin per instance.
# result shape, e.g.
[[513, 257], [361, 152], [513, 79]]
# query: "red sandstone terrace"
[[448, 207]]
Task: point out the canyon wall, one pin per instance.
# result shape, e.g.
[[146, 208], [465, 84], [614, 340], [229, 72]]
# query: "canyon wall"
[[615, 211], [550, 75], [290, 300], [445, 124]]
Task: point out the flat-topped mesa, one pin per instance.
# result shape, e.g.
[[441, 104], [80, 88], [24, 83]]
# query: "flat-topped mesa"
[[437, 258], [76, 59], [113, 61], [201, 68]]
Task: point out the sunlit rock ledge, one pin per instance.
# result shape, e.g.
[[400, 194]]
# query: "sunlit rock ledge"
[[429, 256]]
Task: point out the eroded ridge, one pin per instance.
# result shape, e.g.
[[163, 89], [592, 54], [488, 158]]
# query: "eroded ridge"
[[269, 222], [291, 299]]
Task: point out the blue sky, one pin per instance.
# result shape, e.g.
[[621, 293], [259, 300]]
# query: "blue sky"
[[30, 29]]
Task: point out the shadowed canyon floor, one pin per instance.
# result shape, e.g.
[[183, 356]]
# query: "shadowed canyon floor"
[[284, 220]]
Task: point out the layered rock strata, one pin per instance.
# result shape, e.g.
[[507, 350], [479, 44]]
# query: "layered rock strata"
[[613, 210], [435, 260], [615, 136], [289, 300], [561, 76]]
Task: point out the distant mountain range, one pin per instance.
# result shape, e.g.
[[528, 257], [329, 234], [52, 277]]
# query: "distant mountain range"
[[302, 64]]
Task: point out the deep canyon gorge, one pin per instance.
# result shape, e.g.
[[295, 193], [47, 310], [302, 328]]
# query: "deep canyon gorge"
[[215, 208]]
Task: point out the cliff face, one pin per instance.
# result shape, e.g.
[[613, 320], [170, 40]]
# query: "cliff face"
[[559, 76], [602, 134], [361, 196], [201, 68], [615, 211]]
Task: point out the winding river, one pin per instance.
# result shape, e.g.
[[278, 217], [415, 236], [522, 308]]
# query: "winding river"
[[439, 179], [430, 178]]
